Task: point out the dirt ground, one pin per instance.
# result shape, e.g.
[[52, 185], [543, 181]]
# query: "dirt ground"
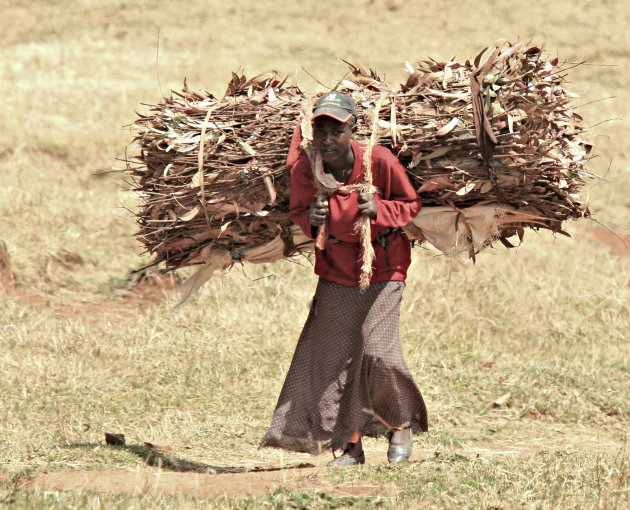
[[259, 482], [147, 292], [234, 481]]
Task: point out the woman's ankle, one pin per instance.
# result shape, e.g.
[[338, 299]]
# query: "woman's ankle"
[[401, 436], [354, 449]]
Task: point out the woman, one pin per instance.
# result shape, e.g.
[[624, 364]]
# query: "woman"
[[348, 377]]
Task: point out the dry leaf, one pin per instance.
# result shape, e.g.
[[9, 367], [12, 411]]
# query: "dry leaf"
[[437, 182], [190, 214], [158, 447], [466, 189], [448, 127], [438, 152], [486, 187], [502, 400], [270, 189]]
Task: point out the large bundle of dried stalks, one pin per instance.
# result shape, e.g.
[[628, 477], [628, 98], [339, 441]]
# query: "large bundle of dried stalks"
[[211, 172]]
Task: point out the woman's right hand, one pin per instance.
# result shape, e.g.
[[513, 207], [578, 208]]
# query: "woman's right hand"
[[318, 212]]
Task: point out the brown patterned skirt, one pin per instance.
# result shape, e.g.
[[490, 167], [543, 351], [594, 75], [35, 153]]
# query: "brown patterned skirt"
[[348, 372]]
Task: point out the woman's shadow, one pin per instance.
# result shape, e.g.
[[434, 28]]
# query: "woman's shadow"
[[156, 456]]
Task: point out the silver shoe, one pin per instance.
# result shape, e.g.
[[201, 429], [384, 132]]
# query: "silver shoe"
[[345, 460], [400, 453]]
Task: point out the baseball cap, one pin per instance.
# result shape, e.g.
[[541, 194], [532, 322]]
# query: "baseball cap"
[[334, 104]]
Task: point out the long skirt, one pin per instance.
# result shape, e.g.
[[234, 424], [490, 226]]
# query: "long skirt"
[[348, 372]]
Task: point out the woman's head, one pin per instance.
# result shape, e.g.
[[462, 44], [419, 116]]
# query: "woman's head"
[[334, 118]]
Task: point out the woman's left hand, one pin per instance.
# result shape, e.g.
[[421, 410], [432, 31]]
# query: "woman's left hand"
[[367, 204]]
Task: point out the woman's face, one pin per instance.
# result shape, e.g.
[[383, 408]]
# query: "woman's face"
[[331, 139]]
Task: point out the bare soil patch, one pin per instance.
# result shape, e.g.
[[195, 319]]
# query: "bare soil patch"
[[152, 289], [618, 242], [248, 483], [7, 276], [529, 437]]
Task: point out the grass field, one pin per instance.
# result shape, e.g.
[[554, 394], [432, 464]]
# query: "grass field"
[[523, 358]]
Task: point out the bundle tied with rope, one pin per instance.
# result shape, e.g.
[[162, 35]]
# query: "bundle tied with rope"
[[494, 147]]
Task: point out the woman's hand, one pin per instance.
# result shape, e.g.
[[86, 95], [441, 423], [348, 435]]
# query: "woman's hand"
[[318, 213], [367, 204]]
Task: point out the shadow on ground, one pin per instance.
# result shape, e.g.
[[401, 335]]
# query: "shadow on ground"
[[162, 460]]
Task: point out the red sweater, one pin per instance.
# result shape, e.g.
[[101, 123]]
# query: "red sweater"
[[397, 205]]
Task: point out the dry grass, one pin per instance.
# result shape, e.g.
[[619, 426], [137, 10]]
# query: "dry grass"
[[546, 323]]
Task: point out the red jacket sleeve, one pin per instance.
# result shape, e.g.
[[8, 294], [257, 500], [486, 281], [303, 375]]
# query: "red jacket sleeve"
[[295, 151], [398, 203]]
